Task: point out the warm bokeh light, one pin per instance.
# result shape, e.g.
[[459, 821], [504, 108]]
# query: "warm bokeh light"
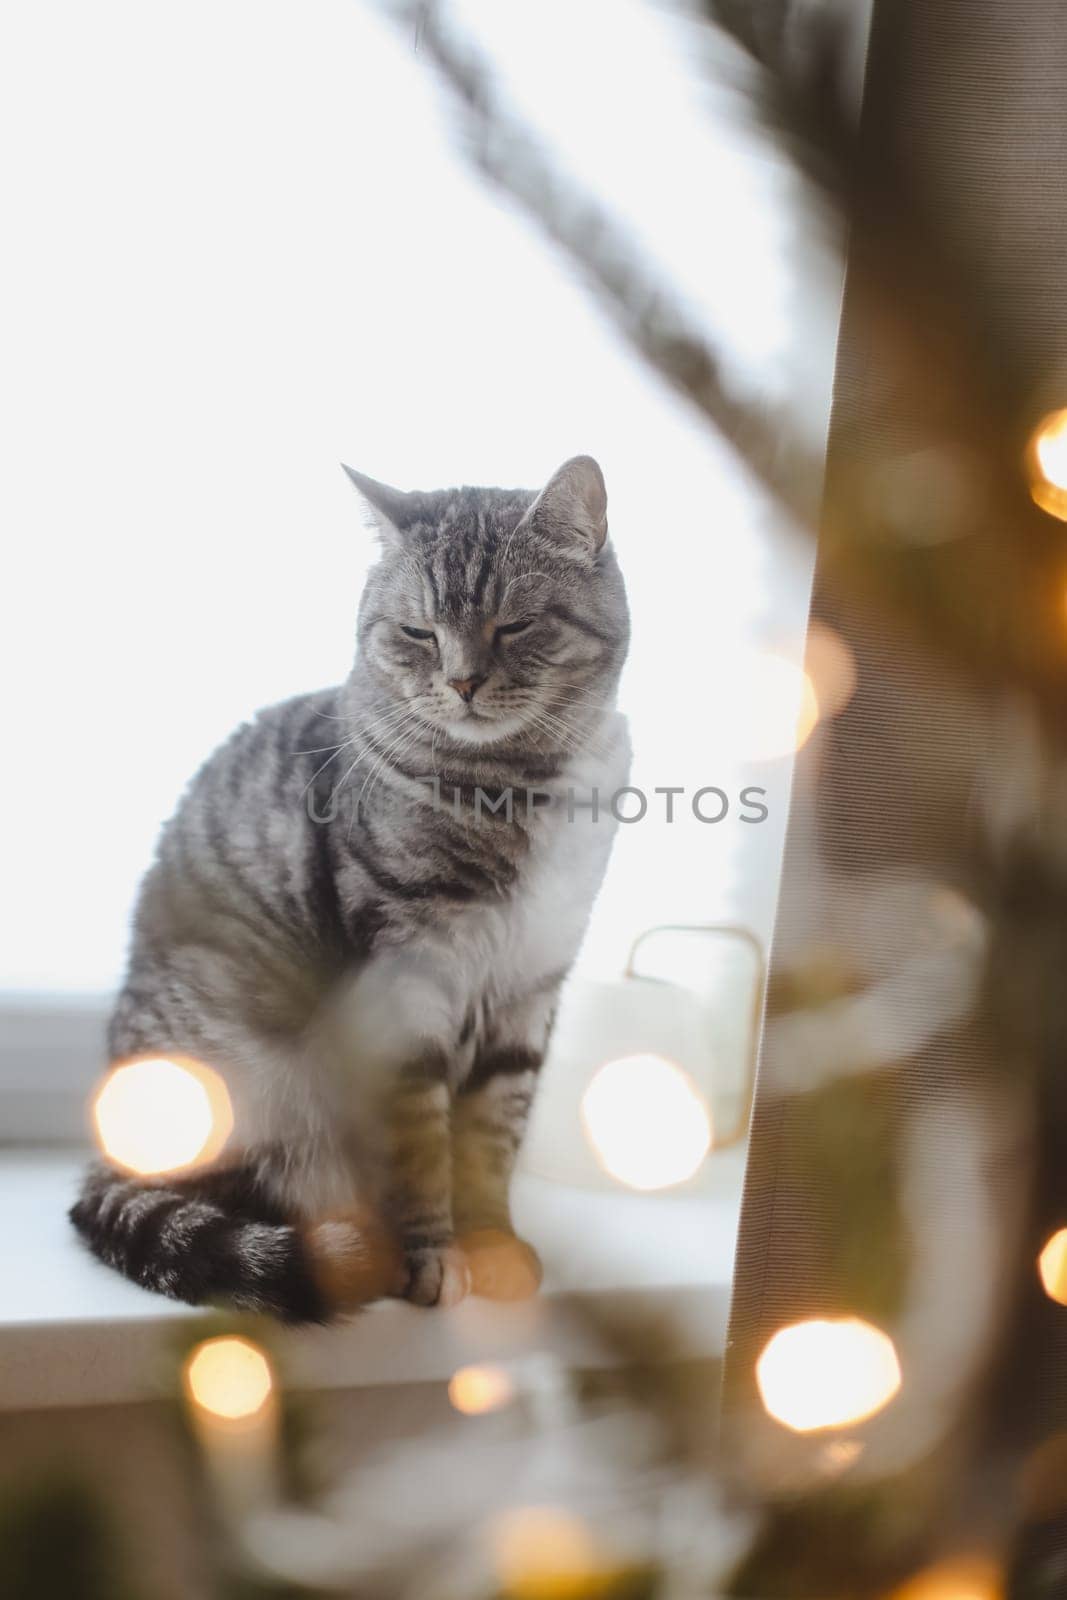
[[839, 1455], [1052, 1266], [827, 1373], [645, 1121], [927, 496], [808, 715], [1047, 462], [764, 706], [544, 1553], [974, 1578], [161, 1115], [229, 1378], [831, 670], [476, 1390]]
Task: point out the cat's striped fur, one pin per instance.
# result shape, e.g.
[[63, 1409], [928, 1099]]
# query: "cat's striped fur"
[[374, 971]]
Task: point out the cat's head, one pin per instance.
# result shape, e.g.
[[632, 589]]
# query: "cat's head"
[[495, 612]]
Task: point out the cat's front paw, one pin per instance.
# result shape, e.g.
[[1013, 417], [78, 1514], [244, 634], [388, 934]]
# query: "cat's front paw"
[[502, 1266], [437, 1276]]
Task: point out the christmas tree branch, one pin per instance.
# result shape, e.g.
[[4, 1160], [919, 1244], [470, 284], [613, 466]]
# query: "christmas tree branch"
[[799, 95], [646, 311]]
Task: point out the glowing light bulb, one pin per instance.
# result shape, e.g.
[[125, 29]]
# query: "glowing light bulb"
[[1052, 1267], [1047, 464], [645, 1121], [974, 1578], [545, 1553], [161, 1115], [827, 1373], [766, 707], [229, 1377], [831, 670], [476, 1390], [808, 715]]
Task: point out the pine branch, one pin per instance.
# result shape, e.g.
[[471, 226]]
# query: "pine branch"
[[799, 89], [645, 310], [921, 326]]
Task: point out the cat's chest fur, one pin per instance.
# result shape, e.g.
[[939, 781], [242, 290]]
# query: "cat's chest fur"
[[499, 952], [488, 970]]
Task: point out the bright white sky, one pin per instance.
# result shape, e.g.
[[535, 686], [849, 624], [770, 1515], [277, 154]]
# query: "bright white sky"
[[241, 247]]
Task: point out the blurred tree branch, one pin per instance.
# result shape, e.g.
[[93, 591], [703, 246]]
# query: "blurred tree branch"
[[924, 338], [798, 86], [647, 311]]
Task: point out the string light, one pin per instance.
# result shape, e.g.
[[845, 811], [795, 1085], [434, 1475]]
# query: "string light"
[[831, 670], [974, 1578], [545, 1553], [768, 707], [229, 1377], [647, 1125], [1052, 1267], [925, 497], [827, 1373], [478, 1389], [1047, 464], [808, 715], [161, 1115]]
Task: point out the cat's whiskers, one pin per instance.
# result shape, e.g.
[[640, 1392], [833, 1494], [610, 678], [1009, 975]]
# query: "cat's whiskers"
[[570, 746], [403, 735], [381, 725], [398, 735], [345, 745], [585, 704], [582, 737], [568, 696], [394, 757], [515, 579], [387, 761], [591, 739], [383, 722], [325, 764], [350, 769]]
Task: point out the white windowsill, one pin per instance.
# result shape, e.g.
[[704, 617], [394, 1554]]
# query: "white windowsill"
[[74, 1333]]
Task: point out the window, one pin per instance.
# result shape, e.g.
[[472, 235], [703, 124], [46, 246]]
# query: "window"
[[251, 249]]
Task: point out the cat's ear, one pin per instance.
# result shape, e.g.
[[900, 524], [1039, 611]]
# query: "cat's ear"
[[388, 510], [573, 505]]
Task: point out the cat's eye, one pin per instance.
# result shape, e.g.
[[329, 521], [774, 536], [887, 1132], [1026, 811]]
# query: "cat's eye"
[[417, 633], [514, 627]]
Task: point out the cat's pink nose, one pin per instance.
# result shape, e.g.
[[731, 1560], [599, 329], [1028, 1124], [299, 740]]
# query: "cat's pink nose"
[[466, 688]]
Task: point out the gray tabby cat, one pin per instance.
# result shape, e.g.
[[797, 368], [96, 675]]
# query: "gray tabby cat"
[[371, 963]]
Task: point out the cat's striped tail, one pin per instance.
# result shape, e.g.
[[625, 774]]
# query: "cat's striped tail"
[[215, 1238]]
